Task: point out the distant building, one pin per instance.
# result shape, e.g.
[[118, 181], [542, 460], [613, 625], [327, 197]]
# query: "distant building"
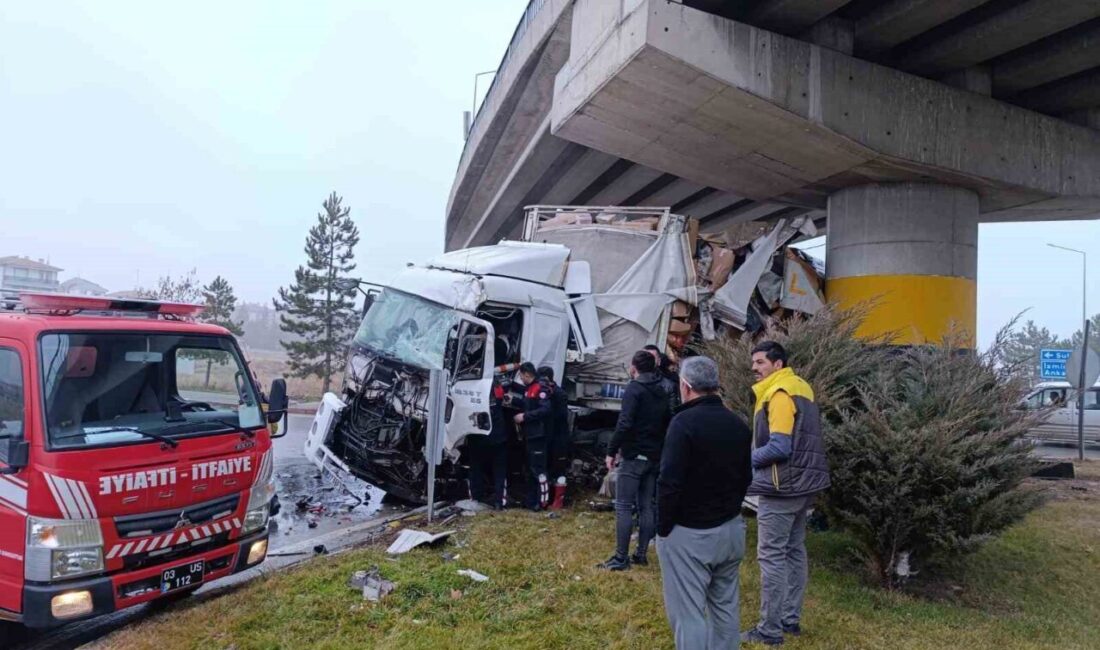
[[25, 274], [82, 287]]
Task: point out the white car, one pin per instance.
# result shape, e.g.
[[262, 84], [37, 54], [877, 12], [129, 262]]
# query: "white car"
[[1061, 425]]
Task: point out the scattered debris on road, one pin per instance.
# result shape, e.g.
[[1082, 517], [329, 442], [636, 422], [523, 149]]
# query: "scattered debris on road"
[[469, 505], [473, 575], [372, 584], [410, 539]]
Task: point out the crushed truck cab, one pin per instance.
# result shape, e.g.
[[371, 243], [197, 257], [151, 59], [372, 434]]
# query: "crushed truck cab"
[[135, 456], [585, 289]]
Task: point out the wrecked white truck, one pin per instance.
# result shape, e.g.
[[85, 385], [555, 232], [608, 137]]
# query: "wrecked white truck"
[[585, 288]]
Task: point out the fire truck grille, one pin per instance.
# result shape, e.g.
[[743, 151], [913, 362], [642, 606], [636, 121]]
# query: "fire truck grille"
[[154, 523], [143, 560]]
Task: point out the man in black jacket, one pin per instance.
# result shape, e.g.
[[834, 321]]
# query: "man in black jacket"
[[639, 436], [557, 447], [669, 380], [706, 468], [535, 422]]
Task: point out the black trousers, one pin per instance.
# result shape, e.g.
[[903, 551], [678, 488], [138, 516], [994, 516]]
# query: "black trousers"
[[488, 461], [557, 453], [636, 487], [538, 482]]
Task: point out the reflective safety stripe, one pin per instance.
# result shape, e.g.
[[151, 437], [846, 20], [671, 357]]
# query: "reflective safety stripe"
[[155, 543]]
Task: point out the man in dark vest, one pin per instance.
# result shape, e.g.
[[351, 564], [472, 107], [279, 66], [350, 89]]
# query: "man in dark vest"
[[789, 469]]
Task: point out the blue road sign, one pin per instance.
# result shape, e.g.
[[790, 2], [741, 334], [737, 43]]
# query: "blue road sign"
[[1052, 364]]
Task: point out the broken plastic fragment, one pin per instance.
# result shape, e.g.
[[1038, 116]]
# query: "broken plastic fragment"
[[473, 575], [410, 539]]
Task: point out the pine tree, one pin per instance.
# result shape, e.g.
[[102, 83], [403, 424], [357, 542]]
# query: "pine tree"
[[924, 443], [318, 307], [186, 289], [1074, 342], [1024, 344], [220, 304]]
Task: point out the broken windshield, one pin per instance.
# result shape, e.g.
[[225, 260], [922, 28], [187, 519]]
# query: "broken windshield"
[[407, 328]]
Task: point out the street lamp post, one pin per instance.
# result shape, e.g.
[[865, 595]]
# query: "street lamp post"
[[477, 77], [1084, 350], [1084, 278]]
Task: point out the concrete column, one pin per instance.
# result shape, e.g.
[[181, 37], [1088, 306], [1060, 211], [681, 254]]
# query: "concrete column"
[[913, 250]]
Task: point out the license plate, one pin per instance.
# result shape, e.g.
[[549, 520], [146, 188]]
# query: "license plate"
[[182, 577]]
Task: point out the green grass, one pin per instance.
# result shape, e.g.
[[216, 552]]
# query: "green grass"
[[1037, 586]]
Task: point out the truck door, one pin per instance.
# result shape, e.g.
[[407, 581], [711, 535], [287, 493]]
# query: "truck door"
[[470, 361], [548, 332], [14, 379]]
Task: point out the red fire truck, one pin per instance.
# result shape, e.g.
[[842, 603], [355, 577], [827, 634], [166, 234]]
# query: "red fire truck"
[[135, 456]]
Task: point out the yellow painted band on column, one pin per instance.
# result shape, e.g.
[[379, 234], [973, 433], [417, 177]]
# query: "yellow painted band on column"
[[919, 308]]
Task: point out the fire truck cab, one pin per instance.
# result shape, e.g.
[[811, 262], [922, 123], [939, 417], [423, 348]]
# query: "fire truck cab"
[[135, 456]]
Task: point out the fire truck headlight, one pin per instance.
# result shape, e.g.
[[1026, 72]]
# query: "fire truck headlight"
[[257, 551], [62, 533], [70, 604], [259, 502], [61, 549], [255, 519], [72, 562]]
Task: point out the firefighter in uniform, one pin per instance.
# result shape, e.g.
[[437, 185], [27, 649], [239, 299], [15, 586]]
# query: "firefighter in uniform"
[[536, 422], [557, 448], [489, 454]]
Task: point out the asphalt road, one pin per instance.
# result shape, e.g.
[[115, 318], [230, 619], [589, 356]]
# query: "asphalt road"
[[1068, 452], [325, 516]]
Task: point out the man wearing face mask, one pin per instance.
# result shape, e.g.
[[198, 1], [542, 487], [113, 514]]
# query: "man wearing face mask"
[[639, 436]]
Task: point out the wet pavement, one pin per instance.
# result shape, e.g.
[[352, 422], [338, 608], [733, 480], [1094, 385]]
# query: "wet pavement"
[[313, 509]]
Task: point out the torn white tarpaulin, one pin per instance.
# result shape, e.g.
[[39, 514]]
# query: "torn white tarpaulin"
[[665, 272], [410, 539], [800, 285], [731, 302]]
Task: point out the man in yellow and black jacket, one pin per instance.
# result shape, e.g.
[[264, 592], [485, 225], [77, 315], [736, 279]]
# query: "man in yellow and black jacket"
[[789, 470]]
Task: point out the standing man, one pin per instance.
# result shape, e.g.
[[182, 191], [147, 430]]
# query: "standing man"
[[535, 421], [705, 470], [669, 380], [639, 436], [789, 469], [489, 454], [557, 448]]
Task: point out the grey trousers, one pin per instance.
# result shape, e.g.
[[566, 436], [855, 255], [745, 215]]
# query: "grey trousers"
[[701, 580], [781, 551]]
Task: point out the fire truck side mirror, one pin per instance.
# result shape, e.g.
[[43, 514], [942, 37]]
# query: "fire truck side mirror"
[[277, 401], [16, 454]]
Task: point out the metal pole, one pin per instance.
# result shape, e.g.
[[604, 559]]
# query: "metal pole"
[[1081, 394], [433, 443], [473, 104]]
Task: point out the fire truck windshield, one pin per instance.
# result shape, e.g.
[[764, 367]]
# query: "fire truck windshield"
[[104, 388]]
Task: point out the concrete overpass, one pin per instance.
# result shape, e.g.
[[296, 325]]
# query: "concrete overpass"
[[901, 124]]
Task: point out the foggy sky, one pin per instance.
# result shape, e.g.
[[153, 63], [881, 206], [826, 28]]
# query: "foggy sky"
[[144, 139]]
